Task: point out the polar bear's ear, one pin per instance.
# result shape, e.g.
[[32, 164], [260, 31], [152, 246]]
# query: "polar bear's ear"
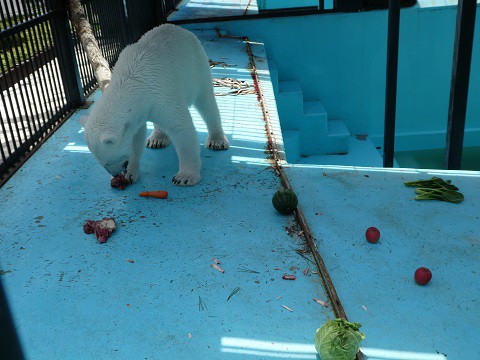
[[83, 120]]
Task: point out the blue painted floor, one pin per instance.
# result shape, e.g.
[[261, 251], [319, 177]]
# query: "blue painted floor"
[[375, 283], [73, 298]]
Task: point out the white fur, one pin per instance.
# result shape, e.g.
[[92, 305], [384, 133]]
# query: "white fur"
[[156, 80]]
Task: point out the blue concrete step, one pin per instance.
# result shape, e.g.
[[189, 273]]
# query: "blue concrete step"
[[291, 144], [290, 104], [362, 152], [338, 137], [317, 135], [272, 67], [313, 128]]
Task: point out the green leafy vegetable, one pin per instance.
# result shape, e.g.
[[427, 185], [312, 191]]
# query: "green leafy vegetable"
[[433, 183], [436, 189], [338, 340], [432, 194]]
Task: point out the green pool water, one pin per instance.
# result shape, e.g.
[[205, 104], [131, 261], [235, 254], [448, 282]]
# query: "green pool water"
[[435, 158]]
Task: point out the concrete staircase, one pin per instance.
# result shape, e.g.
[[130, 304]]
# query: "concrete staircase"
[[305, 125]]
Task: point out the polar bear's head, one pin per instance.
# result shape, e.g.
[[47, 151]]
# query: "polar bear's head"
[[110, 145]]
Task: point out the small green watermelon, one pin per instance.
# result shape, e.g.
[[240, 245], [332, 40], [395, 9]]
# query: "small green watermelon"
[[285, 201]]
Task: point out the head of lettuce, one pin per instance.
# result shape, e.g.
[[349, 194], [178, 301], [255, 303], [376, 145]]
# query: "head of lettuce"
[[338, 340]]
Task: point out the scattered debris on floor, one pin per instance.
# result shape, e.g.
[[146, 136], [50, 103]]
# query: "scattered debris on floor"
[[231, 83], [364, 308], [189, 335], [249, 271], [130, 261], [289, 277], [216, 267], [236, 290], [239, 87], [201, 304], [323, 303], [214, 63], [287, 308], [216, 261]]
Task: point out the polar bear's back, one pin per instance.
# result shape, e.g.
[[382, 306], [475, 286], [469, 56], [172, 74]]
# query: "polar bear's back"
[[167, 58]]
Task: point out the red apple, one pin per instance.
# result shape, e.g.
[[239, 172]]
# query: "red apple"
[[423, 276], [372, 234]]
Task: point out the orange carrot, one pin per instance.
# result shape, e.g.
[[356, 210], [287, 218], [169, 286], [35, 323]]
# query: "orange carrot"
[[159, 194]]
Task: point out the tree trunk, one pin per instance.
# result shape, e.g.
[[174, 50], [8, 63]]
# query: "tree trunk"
[[87, 38]]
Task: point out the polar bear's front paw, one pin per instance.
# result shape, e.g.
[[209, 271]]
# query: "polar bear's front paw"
[[217, 142], [183, 179], [158, 140], [132, 172]]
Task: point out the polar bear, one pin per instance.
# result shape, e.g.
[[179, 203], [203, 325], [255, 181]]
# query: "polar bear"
[[156, 79]]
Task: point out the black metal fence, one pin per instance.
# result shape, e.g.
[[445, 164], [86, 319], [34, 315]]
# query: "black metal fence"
[[44, 72], [462, 56], [109, 25]]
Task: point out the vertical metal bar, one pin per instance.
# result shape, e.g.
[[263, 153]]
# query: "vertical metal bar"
[[7, 120], [159, 7], [21, 85], [391, 83], [14, 102], [104, 21], [94, 18], [122, 10], [462, 56], [13, 70], [80, 61], [3, 141], [118, 30], [21, 74], [321, 5], [30, 52], [60, 90], [64, 46], [46, 41], [38, 34], [11, 145]]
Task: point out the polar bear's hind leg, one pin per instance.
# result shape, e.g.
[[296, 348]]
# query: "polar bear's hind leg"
[[157, 139], [185, 139], [208, 109]]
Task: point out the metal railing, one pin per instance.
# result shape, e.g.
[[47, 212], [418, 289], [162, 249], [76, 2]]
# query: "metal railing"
[[32, 97], [109, 25], [462, 56], [44, 72]]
